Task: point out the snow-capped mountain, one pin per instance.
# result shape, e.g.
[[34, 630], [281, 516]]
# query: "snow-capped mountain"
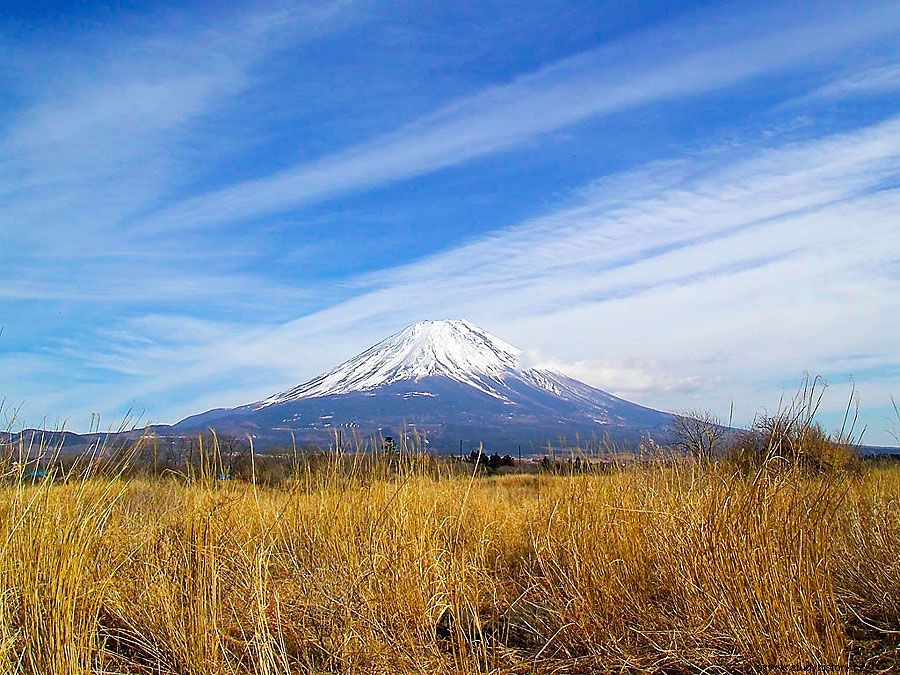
[[450, 379], [458, 350]]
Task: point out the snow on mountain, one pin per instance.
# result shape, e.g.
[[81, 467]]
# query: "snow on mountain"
[[458, 350], [448, 379]]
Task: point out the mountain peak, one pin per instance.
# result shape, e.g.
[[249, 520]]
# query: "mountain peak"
[[430, 323], [457, 349], [449, 379]]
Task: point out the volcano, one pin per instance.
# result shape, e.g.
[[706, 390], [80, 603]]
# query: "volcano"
[[449, 380]]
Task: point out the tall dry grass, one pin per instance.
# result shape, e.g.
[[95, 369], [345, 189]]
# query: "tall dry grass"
[[673, 566]]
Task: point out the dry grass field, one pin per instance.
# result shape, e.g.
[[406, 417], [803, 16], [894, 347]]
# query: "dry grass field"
[[670, 566]]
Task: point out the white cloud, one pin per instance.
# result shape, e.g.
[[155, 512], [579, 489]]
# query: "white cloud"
[[609, 79], [695, 283], [102, 130], [774, 260], [633, 378], [877, 80]]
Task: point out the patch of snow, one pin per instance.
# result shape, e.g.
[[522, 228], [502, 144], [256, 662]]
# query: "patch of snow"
[[457, 350]]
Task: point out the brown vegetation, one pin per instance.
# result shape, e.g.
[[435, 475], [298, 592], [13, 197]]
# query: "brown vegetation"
[[769, 550], [347, 567]]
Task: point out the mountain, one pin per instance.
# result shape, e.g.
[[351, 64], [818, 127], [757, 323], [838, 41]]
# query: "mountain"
[[450, 379]]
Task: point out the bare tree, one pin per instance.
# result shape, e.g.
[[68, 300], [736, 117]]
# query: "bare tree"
[[698, 433]]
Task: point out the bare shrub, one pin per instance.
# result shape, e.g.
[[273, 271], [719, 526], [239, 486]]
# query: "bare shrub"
[[792, 438], [698, 433]]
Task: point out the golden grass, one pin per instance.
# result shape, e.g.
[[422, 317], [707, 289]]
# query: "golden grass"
[[674, 568]]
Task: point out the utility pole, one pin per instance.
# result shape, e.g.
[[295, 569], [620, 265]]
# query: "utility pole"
[[520, 453]]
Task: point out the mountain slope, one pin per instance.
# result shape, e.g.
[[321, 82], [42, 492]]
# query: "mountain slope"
[[457, 350], [450, 379]]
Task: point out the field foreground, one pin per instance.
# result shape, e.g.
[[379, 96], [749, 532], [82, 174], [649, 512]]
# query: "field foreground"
[[673, 567]]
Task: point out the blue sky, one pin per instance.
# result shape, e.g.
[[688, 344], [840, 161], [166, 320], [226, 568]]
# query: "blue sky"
[[686, 204]]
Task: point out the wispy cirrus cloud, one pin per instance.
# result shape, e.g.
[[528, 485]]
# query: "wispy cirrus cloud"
[[682, 62], [695, 282], [717, 272], [883, 79], [103, 130]]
